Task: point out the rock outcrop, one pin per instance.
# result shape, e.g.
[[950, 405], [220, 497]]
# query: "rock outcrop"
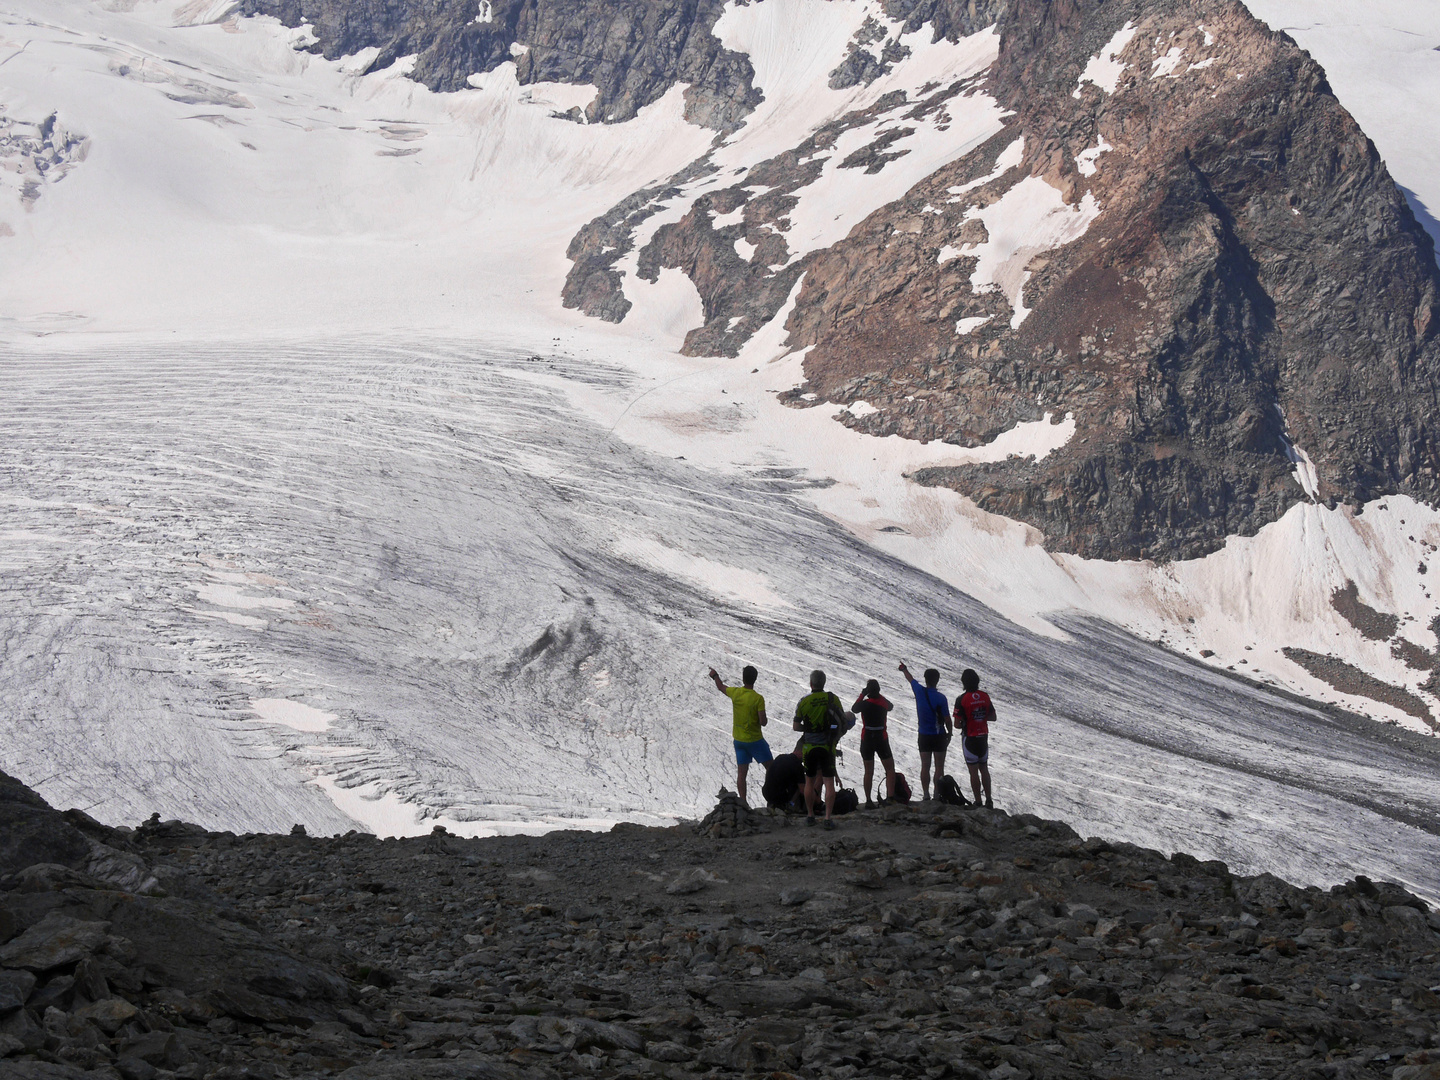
[[923, 940], [1206, 265], [1252, 294], [632, 51]]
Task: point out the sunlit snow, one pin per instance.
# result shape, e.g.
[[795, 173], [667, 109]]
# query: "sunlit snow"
[[1106, 67]]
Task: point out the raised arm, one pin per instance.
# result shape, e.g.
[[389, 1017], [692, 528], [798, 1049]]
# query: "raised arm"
[[719, 685]]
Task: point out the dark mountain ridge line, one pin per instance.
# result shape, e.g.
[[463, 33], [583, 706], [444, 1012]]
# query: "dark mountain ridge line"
[[954, 941]]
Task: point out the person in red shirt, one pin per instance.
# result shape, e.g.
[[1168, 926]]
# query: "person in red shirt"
[[873, 708], [973, 715]]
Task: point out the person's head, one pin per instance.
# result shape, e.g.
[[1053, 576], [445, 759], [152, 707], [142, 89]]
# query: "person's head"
[[748, 675], [970, 679], [872, 688], [932, 677], [817, 680]]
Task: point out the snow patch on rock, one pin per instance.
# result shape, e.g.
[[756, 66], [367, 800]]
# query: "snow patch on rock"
[[1106, 67], [1030, 218], [1086, 160]]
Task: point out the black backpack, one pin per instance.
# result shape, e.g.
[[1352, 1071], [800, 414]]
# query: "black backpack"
[[846, 801], [949, 792]]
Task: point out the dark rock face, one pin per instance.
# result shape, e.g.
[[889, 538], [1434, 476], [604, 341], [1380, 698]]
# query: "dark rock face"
[[740, 294], [980, 944], [1254, 281], [633, 51], [31, 832]]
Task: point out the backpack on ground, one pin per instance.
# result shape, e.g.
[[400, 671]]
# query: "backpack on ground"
[[846, 801], [902, 788], [949, 792]]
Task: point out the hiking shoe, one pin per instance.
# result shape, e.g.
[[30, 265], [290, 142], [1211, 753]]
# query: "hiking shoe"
[[869, 805], [829, 823], [810, 821], [989, 805]]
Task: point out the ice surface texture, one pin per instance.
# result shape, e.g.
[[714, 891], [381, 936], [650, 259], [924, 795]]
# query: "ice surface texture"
[[435, 551]]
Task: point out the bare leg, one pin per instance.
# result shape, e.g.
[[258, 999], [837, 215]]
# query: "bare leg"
[[740, 772], [985, 776], [925, 774], [889, 779], [809, 796], [829, 796], [869, 775], [939, 770], [975, 782]]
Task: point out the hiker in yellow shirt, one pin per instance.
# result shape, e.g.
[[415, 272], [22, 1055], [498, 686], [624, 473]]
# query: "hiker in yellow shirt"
[[750, 744]]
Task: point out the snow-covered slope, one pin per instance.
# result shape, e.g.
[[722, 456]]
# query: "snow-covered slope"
[[318, 506]]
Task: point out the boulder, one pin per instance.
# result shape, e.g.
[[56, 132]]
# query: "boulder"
[[15, 987], [1408, 922], [55, 941], [32, 832], [767, 997], [691, 881], [21, 1027], [462, 1068], [159, 1048], [108, 1015]]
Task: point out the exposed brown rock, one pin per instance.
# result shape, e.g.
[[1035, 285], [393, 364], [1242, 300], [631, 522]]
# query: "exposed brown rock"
[[1252, 256]]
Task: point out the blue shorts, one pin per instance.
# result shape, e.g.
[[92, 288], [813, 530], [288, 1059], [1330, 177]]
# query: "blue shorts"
[[758, 751]]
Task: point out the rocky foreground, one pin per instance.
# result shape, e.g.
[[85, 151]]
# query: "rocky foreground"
[[912, 941]]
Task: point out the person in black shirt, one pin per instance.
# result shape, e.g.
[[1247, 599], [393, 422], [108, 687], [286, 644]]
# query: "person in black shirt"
[[874, 740], [784, 777]]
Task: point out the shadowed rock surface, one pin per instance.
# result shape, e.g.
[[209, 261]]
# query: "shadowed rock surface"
[[633, 51], [921, 940]]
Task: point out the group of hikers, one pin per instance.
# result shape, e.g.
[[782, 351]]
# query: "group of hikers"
[[822, 719]]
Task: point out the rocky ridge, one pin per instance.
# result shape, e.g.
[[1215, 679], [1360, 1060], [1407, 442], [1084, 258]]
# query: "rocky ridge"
[[630, 50], [926, 940]]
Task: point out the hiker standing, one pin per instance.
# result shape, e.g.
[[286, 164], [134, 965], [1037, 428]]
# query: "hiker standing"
[[974, 713], [932, 713], [874, 740], [749, 718], [818, 716]]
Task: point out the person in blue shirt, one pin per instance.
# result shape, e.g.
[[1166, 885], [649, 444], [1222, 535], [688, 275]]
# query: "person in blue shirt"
[[932, 711]]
